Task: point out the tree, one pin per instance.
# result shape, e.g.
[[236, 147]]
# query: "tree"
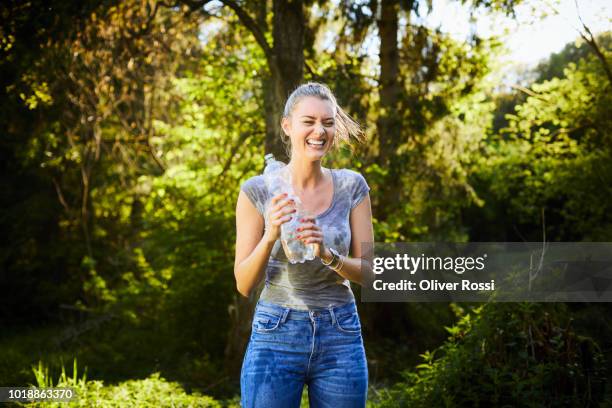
[[549, 167], [553, 66], [284, 56]]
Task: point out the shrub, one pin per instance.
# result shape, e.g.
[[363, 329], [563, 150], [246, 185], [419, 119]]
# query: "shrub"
[[524, 354], [153, 391]]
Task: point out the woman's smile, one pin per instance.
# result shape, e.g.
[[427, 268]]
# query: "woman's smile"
[[316, 143], [311, 127]]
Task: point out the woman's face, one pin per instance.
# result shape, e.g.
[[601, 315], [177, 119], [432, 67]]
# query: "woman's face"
[[311, 128]]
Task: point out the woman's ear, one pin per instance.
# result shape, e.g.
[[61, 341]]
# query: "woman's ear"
[[286, 125]]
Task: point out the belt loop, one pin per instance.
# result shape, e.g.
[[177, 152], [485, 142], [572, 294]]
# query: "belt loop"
[[333, 315], [285, 314]]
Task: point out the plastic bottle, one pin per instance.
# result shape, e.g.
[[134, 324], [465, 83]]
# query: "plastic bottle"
[[275, 182], [278, 180]]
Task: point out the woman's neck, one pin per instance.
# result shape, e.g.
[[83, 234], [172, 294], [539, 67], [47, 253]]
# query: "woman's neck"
[[306, 175]]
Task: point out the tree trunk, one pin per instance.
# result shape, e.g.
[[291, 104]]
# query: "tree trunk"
[[287, 71], [273, 106], [285, 62], [389, 125]]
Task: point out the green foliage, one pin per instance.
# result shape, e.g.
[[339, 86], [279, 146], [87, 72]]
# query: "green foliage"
[[554, 157], [129, 126], [147, 184], [500, 354], [154, 391], [445, 117], [553, 66], [20, 352]]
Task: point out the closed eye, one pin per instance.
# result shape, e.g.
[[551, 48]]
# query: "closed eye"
[[326, 124]]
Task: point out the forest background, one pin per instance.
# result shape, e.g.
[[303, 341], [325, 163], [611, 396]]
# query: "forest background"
[[127, 128]]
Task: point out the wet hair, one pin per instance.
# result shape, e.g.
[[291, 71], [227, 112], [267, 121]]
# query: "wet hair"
[[347, 129]]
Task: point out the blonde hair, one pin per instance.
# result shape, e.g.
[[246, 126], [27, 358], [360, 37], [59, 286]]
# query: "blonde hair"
[[347, 129]]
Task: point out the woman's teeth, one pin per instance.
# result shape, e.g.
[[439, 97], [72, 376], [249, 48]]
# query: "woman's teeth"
[[315, 142]]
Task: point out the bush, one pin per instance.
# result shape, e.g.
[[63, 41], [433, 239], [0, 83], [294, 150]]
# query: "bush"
[[501, 354], [153, 391]]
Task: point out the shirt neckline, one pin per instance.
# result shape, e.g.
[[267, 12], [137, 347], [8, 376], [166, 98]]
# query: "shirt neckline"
[[333, 202]]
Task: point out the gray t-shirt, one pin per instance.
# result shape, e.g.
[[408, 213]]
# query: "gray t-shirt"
[[311, 285]]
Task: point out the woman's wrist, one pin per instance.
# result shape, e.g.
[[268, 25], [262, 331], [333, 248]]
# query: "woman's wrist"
[[338, 261], [327, 256], [335, 262], [269, 238]]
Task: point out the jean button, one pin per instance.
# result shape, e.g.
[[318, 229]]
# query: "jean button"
[[315, 314]]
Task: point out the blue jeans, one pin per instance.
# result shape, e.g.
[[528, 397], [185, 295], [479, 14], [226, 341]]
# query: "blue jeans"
[[290, 348]]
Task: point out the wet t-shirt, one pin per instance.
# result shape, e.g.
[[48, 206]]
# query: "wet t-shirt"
[[312, 285]]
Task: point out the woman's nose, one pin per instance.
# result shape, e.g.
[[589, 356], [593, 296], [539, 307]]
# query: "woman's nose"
[[320, 130]]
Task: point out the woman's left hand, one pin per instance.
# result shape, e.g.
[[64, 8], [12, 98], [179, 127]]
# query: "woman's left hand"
[[310, 233]]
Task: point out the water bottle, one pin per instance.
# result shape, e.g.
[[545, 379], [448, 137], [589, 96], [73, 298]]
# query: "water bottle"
[[278, 180], [275, 180]]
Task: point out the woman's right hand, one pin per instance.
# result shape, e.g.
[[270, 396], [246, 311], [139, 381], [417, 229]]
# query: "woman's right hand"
[[279, 212]]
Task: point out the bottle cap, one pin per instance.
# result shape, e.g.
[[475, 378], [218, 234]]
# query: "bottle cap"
[[268, 157]]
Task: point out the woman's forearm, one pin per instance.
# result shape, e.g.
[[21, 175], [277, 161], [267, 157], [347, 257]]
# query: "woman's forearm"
[[249, 272], [357, 270]]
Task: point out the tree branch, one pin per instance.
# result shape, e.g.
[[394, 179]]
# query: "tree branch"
[[60, 196], [228, 162], [527, 91], [247, 21], [315, 75], [250, 23], [593, 43]]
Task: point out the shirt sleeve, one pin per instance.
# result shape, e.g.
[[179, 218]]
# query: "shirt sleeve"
[[360, 190], [256, 191]]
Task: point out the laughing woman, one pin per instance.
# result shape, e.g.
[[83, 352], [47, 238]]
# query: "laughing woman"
[[306, 330]]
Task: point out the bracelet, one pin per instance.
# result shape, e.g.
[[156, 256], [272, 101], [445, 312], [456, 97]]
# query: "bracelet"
[[338, 267], [333, 260], [337, 260]]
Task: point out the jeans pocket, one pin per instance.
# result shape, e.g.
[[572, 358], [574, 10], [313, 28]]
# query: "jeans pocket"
[[266, 322], [348, 323]]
